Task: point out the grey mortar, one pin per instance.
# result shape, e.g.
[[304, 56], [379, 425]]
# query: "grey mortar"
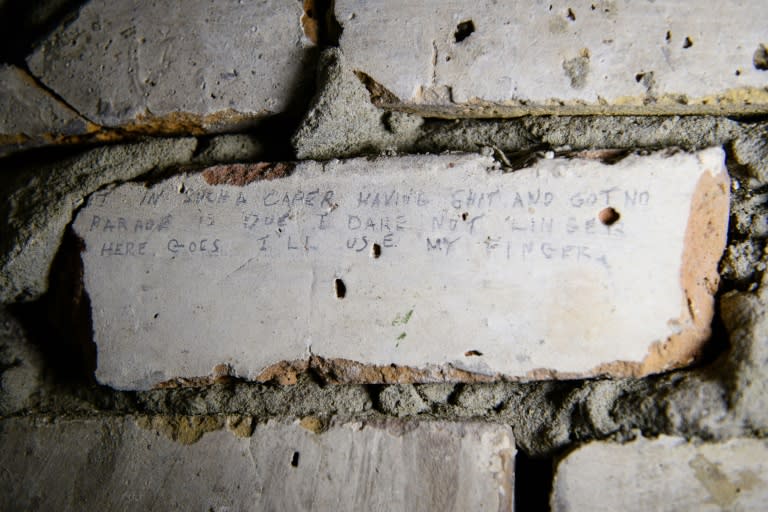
[[40, 201], [229, 148], [21, 368], [343, 122], [750, 150]]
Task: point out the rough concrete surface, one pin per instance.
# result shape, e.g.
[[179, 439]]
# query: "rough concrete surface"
[[746, 317], [29, 112], [229, 148], [559, 57], [141, 464], [21, 367], [579, 132], [751, 151], [343, 122], [665, 474], [40, 201], [216, 65], [744, 260]]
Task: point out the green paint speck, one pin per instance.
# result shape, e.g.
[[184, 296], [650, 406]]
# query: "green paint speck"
[[402, 320]]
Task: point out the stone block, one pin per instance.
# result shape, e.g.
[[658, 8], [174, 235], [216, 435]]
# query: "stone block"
[[375, 272], [30, 115], [114, 464], [178, 66], [665, 474], [491, 60]]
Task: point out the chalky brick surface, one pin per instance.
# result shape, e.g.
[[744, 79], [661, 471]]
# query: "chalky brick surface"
[[113, 464], [665, 474], [217, 63], [490, 59], [443, 266]]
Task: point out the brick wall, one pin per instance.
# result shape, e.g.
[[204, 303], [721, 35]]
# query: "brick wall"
[[383, 255]]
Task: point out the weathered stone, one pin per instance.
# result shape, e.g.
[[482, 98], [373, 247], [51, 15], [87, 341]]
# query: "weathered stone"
[[745, 315], [31, 116], [751, 151], [41, 198], [663, 474], [568, 268], [342, 122], [20, 367], [490, 60], [388, 466], [178, 67], [114, 464]]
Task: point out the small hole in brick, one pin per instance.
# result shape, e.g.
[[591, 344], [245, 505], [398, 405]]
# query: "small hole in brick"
[[156, 315], [464, 216], [668, 36], [340, 288], [375, 251], [760, 58], [295, 459], [608, 216], [463, 30], [470, 353], [571, 15], [639, 77], [688, 42]]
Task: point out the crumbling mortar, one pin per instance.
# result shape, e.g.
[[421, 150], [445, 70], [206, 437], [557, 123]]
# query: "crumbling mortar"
[[531, 409]]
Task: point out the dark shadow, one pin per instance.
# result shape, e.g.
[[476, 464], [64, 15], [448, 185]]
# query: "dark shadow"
[[59, 323], [533, 482], [23, 24]]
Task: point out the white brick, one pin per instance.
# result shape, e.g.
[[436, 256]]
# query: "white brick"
[[492, 273], [558, 56], [219, 62], [112, 464], [666, 474]]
